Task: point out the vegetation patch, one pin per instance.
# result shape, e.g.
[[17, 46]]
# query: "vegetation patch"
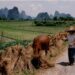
[[53, 23], [12, 43]]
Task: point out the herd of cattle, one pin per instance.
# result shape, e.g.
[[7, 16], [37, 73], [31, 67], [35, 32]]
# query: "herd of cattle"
[[19, 58]]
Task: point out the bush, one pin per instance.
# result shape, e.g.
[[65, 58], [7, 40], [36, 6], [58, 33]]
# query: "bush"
[[49, 23]]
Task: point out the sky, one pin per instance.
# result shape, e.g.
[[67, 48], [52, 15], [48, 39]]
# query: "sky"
[[33, 7]]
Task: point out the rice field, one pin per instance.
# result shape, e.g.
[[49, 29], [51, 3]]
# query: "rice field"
[[26, 30]]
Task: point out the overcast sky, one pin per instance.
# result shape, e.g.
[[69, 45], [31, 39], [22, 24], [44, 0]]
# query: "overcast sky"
[[33, 7]]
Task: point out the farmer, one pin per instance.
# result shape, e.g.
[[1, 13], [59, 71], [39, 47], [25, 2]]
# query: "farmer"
[[71, 42]]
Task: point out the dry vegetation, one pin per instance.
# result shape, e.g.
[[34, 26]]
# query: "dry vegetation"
[[16, 60]]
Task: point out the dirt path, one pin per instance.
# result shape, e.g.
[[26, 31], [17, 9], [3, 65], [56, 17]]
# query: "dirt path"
[[61, 67]]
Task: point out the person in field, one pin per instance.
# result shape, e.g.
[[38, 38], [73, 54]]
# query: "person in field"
[[71, 42]]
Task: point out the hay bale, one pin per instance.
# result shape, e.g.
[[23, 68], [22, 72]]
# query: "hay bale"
[[15, 59]]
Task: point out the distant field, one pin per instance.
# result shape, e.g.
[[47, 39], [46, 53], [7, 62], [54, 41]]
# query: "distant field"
[[26, 30]]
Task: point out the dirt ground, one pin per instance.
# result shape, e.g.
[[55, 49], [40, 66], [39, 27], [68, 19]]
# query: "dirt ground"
[[61, 67]]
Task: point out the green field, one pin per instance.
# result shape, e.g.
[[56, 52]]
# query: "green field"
[[26, 30]]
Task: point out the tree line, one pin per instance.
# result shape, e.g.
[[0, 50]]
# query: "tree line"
[[15, 14]]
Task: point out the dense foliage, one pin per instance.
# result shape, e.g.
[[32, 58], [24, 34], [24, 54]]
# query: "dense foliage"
[[53, 23]]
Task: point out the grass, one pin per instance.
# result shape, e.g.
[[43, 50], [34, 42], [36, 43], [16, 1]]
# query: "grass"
[[26, 30]]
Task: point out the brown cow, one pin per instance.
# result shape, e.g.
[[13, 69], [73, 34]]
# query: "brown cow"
[[41, 45], [41, 42]]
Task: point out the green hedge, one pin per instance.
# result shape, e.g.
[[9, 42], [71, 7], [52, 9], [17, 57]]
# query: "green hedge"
[[54, 23]]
